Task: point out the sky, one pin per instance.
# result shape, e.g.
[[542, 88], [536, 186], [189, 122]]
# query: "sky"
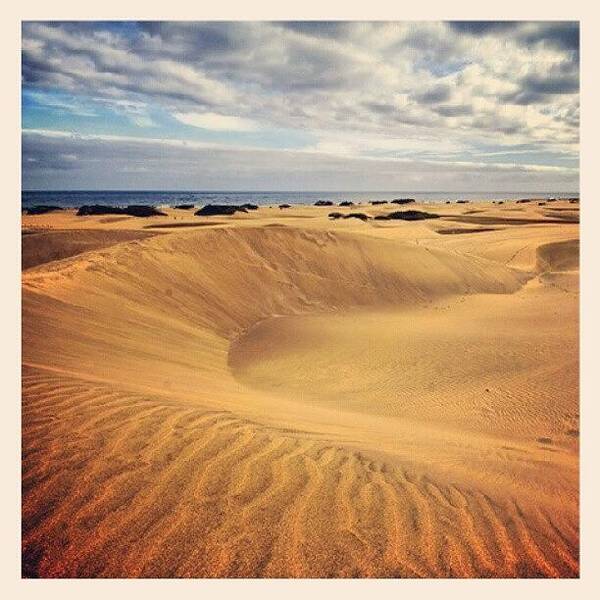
[[419, 106]]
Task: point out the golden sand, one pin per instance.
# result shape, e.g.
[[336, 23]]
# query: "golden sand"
[[282, 395]]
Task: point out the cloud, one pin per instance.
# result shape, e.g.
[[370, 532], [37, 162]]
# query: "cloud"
[[478, 83], [434, 95], [541, 87], [61, 103], [454, 110], [89, 62], [562, 35], [216, 122], [328, 29], [551, 84], [143, 121], [482, 27], [79, 162]]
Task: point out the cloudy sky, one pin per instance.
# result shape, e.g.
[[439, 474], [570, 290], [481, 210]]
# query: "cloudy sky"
[[461, 106]]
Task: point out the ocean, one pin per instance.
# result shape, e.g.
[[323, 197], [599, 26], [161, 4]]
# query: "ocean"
[[72, 198]]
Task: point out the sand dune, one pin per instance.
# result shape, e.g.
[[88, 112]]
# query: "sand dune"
[[39, 247], [559, 256], [307, 400]]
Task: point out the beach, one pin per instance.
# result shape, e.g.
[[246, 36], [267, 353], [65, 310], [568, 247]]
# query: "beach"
[[283, 393]]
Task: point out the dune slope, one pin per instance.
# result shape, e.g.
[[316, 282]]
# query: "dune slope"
[[280, 402], [38, 247]]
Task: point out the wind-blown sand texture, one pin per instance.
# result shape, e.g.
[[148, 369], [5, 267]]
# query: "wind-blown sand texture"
[[282, 395]]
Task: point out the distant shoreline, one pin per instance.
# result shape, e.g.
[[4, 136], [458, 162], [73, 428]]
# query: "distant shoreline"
[[77, 198]]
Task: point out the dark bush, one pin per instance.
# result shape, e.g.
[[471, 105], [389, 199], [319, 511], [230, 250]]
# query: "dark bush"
[[185, 206], [284, 206], [339, 215], [133, 210], [403, 200], [323, 203], [42, 209], [219, 209], [346, 203], [360, 216], [98, 209], [141, 210], [408, 215]]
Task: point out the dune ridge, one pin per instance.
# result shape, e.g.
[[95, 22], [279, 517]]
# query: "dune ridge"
[[159, 441]]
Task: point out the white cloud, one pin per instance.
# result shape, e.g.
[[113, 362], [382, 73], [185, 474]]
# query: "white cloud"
[[216, 122], [142, 120]]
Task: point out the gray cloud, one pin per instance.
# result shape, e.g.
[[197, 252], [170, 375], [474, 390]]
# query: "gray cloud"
[[551, 84], [454, 110], [540, 88], [434, 95], [482, 27], [525, 98], [563, 35], [328, 29]]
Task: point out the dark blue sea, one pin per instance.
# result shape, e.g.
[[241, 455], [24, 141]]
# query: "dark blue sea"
[[71, 198]]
